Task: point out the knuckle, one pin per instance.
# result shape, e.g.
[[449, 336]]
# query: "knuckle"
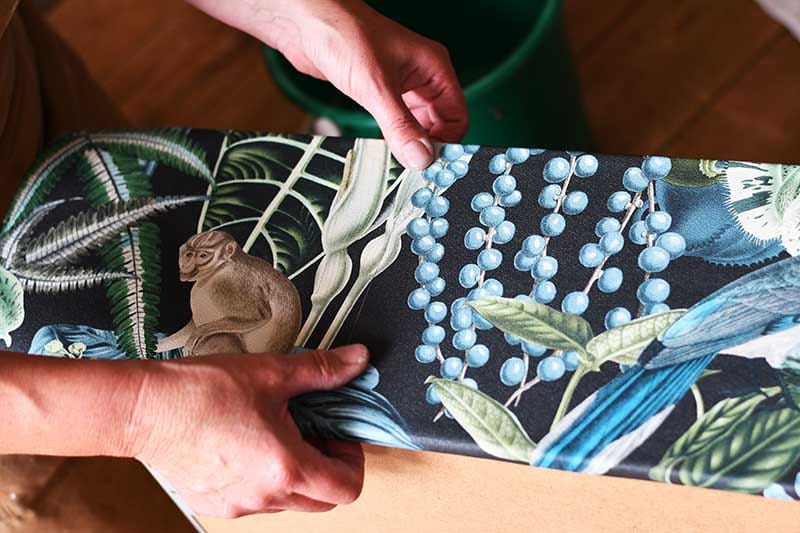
[[323, 365], [285, 475]]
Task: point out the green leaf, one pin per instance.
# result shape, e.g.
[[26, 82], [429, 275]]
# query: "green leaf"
[[735, 446], [12, 308], [535, 322], [493, 427], [625, 343], [693, 173]]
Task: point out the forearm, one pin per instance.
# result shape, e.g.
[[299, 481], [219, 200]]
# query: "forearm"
[[53, 406]]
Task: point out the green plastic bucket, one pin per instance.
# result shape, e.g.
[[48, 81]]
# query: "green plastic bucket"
[[512, 60]]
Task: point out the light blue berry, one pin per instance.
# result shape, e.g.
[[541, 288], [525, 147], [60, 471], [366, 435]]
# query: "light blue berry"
[[471, 148], [430, 173], [523, 262], [517, 155], [512, 340], [459, 168], [431, 396], [418, 227], [575, 302], [537, 151], [511, 200], [425, 354], [545, 292], [504, 184], [548, 198], [469, 382], [504, 232], [653, 291], [556, 170], [575, 202], [655, 309], [638, 233], [436, 287], [493, 287], [673, 243], [545, 268], [433, 335], [586, 166], [477, 356], [474, 238], [617, 317], [451, 152], [550, 368], [618, 201], [461, 319], [553, 224], [477, 294], [437, 207], [533, 349], [610, 280], [480, 322], [468, 276], [426, 272], [657, 168], [634, 180], [451, 367], [421, 198], [445, 178], [533, 245], [607, 225], [464, 339], [457, 304], [419, 299], [423, 245], [512, 372], [490, 259], [658, 222], [439, 227], [435, 312], [492, 215], [571, 360], [611, 243], [481, 201], [497, 164], [653, 259], [435, 254], [591, 255], [523, 298]]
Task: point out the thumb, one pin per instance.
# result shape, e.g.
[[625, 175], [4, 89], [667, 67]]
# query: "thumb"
[[407, 140], [323, 369]]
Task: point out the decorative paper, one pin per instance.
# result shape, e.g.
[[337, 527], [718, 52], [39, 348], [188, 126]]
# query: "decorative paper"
[[632, 316]]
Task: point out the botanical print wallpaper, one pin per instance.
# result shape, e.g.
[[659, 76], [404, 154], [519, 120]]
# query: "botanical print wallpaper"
[[635, 316]]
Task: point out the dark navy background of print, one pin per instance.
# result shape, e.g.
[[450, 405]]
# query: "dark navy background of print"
[[391, 330]]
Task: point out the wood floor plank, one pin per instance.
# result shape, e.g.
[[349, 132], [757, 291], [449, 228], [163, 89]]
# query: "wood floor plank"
[[758, 118], [661, 65], [587, 22]]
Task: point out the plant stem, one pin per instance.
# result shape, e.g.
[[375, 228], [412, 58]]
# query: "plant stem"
[[566, 398], [698, 401]]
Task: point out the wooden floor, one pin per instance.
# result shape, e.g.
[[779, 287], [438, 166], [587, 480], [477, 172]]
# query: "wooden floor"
[[712, 78]]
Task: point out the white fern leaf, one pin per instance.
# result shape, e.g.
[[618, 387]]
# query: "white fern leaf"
[[751, 193], [10, 242], [51, 279]]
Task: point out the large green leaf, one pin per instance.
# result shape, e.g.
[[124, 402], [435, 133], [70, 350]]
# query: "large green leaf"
[[623, 344], [535, 322], [273, 194], [493, 427], [12, 308], [735, 446]]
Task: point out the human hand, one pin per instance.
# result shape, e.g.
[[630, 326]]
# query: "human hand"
[[219, 430], [403, 79]]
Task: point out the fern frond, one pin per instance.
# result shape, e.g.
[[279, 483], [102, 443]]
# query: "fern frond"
[[43, 177], [10, 242], [172, 147], [94, 227], [111, 177], [53, 278]]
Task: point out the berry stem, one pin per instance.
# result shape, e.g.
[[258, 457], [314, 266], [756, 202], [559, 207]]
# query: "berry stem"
[[566, 398]]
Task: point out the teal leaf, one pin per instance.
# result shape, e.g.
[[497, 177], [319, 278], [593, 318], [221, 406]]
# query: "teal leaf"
[[625, 343], [536, 323], [735, 446], [12, 307], [493, 427]]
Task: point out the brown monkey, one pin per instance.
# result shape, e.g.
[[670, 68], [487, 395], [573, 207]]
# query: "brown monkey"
[[239, 303]]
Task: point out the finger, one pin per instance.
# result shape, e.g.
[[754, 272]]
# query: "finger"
[[406, 138], [298, 502], [323, 369], [336, 477]]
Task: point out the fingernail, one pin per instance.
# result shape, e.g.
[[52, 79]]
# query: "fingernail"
[[417, 154], [353, 354]]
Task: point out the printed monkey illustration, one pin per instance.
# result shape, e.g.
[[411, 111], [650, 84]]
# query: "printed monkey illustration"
[[239, 303]]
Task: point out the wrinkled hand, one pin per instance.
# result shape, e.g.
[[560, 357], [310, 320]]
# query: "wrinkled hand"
[[404, 80], [219, 430]]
